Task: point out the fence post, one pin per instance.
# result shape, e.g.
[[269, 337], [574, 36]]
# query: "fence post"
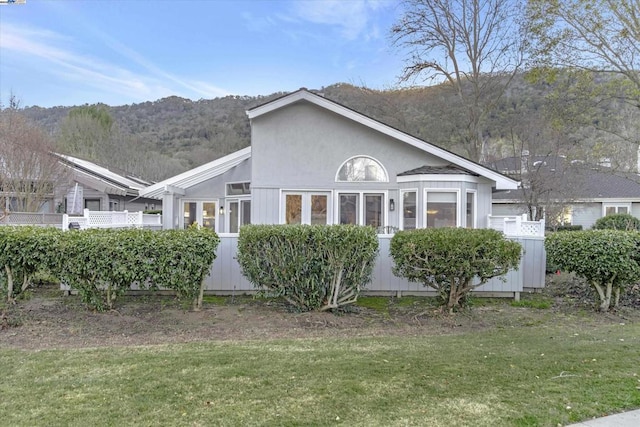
[[542, 227], [65, 222], [140, 221]]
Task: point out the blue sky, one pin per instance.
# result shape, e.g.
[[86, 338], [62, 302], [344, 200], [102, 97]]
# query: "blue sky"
[[72, 52]]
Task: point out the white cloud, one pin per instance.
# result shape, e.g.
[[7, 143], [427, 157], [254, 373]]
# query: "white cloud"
[[353, 18], [62, 58]]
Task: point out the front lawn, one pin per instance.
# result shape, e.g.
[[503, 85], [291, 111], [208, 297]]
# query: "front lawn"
[[542, 375]]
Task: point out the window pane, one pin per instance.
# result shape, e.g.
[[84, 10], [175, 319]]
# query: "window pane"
[[92, 204], [409, 210], [189, 213], [441, 212], [293, 209], [348, 209], [318, 209], [233, 217], [209, 215], [623, 210], [362, 169], [471, 207], [373, 210], [238, 188], [610, 210], [246, 212]]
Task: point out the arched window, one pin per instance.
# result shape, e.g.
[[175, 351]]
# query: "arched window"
[[362, 169]]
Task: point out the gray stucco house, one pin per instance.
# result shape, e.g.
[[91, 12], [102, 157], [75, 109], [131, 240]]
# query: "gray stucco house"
[[314, 161]]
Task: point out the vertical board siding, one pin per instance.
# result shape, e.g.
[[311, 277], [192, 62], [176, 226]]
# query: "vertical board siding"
[[226, 277]]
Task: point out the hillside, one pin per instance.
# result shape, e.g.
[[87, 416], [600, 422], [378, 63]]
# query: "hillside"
[[160, 138]]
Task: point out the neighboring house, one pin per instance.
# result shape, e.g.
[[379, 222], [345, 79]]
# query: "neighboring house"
[[577, 193], [99, 189], [314, 161]]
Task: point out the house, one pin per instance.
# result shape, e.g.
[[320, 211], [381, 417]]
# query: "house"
[[98, 188], [314, 161], [573, 192]]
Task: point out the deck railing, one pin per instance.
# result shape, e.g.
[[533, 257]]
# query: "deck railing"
[[516, 225], [112, 219]]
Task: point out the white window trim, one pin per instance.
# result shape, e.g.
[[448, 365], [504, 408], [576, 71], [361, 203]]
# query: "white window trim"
[[199, 202], [386, 174], [443, 190], [474, 215], [306, 195], [615, 205], [401, 207], [227, 209], [361, 193], [226, 193]]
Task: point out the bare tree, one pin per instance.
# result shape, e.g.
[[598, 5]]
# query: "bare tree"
[[473, 45], [592, 35], [29, 174]]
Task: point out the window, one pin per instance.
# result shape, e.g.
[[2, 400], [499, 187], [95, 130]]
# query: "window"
[[349, 208], [238, 188], [239, 214], [361, 208], [618, 208], [92, 204], [306, 208], [362, 169], [293, 212], [442, 209], [471, 209], [409, 209], [201, 212]]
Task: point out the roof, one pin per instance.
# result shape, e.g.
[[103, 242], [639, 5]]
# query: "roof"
[[502, 181], [102, 178], [594, 184], [438, 170], [179, 183]]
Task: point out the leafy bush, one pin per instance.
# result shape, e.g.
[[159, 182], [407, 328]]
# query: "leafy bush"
[[102, 264], [625, 222], [450, 259], [607, 259], [25, 251], [311, 266]]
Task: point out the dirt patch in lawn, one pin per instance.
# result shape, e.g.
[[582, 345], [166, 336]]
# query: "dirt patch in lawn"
[[47, 319]]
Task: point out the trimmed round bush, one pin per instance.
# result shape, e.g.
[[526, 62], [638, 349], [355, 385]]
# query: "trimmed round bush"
[[453, 261], [314, 267], [624, 222], [609, 260]]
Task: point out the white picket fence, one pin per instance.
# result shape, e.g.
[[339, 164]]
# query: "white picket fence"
[[516, 226], [112, 219]]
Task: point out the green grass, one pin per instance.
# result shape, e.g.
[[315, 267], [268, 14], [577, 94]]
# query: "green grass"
[[538, 376]]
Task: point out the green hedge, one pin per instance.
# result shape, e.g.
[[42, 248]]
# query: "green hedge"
[[625, 222], [101, 264], [609, 260], [450, 259], [311, 266], [25, 251]]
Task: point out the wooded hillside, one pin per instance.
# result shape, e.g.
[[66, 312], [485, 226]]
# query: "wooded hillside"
[[158, 139]]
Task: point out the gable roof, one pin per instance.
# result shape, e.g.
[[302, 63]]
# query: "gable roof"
[[503, 182], [101, 178], [593, 183], [177, 184]]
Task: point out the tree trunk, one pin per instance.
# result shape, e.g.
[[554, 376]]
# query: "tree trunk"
[[9, 283]]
